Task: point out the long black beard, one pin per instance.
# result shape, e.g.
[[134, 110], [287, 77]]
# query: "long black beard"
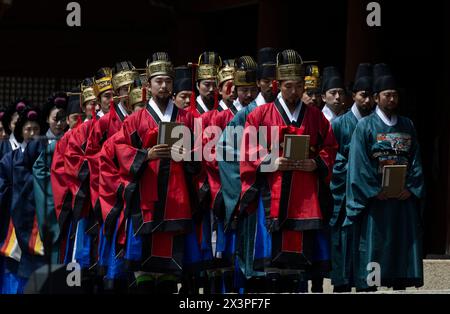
[[269, 97], [292, 104], [228, 102], [209, 102], [388, 112], [162, 101]]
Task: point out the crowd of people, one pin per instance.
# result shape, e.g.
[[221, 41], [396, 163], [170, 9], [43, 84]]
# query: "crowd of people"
[[87, 178]]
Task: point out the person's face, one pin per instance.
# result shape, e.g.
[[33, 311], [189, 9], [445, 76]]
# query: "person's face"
[[12, 124], [292, 91], [227, 98], [3, 134], [87, 108], [123, 91], [161, 87], [56, 126], [138, 106], [30, 130], [182, 99], [265, 86], [308, 98], [72, 119], [206, 89], [334, 98], [318, 100], [311, 98], [246, 94], [105, 99], [364, 102], [387, 100]]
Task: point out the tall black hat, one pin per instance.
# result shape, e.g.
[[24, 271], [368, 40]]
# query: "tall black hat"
[[331, 79], [383, 78], [267, 61], [183, 79], [363, 78]]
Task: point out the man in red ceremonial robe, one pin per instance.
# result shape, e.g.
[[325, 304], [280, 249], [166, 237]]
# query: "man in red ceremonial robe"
[[85, 223], [110, 190], [289, 187], [65, 186], [158, 197], [124, 75]]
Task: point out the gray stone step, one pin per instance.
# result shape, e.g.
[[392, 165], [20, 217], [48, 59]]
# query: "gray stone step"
[[436, 274]]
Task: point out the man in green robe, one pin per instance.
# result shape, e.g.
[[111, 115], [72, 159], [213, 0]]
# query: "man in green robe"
[[388, 246], [343, 127]]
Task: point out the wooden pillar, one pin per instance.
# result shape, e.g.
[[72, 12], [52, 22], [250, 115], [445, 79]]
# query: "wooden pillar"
[[269, 27], [361, 43], [445, 81]]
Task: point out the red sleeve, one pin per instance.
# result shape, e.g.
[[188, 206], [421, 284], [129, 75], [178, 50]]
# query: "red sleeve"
[[132, 153], [110, 186], [95, 141], [77, 168], [97, 136], [58, 178], [328, 148], [249, 166], [75, 163]]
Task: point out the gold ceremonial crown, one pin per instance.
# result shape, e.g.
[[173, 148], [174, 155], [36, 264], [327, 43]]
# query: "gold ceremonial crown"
[[124, 78], [245, 74], [208, 71], [291, 68], [103, 83], [87, 91], [225, 74], [160, 67], [88, 94], [312, 81], [135, 96]]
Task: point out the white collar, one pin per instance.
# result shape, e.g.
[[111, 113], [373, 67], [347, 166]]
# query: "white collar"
[[389, 122], [100, 113], [223, 105], [260, 100], [291, 116], [202, 104], [23, 145], [237, 104], [12, 140], [50, 135], [356, 112], [122, 109], [167, 114], [328, 113]]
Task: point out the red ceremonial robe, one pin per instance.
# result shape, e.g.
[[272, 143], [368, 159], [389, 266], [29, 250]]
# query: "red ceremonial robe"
[[111, 187], [290, 197], [201, 179], [61, 183], [158, 199], [220, 119], [103, 129], [77, 169]]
